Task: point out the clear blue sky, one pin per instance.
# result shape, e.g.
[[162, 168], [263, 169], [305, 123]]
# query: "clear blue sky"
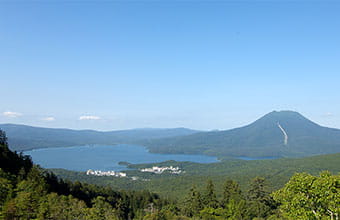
[[197, 64]]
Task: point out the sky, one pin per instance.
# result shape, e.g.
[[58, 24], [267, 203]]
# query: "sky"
[[111, 65]]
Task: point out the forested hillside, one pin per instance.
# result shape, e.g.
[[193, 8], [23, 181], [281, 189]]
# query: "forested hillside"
[[29, 192], [22, 137], [277, 172]]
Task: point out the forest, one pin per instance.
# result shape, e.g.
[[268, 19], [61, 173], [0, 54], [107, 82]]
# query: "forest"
[[277, 173], [30, 192]]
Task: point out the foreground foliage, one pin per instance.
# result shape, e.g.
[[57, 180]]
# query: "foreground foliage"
[[311, 197]]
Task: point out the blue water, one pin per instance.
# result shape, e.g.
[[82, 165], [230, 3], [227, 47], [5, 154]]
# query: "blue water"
[[99, 157]]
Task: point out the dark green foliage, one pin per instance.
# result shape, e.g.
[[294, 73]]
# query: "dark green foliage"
[[259, 200], [3, 138], [209, 197], [257, 190], [6, 186], [233, 204], [231, 191], [193, 203], [102, 210], [11, 161], [53, 206], [209, 213]]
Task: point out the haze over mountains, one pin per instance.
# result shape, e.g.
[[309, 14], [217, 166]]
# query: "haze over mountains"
[[23, 137], [278, 134]]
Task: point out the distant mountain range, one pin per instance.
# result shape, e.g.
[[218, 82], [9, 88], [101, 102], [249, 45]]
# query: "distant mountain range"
[[278, 134], [23, 137]]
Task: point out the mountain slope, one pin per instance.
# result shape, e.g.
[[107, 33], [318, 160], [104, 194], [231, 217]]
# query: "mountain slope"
[[284, 133], [22, 137]]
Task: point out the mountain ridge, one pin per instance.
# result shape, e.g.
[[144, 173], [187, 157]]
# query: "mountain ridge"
[[25, 137], [263, 137], [276, 134]]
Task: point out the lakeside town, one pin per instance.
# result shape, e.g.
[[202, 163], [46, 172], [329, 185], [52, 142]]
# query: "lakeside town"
[[160, 170], [105, 173], [154, 169]]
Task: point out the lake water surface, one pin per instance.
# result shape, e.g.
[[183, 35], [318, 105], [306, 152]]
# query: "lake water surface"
[[99, 157]]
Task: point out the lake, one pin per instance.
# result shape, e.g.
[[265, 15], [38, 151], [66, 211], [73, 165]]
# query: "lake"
[[100, 157]]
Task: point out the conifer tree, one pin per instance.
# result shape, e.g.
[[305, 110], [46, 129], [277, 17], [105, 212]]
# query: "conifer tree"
[[260, 201], [193, 203], [231, 191], [3, 139], [210, 199]]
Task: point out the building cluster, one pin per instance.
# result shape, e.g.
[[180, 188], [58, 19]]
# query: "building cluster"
[[154, 169], [105, 173], [159, 170]]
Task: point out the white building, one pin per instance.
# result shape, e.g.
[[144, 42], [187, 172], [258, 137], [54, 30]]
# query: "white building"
[[105, 173], [159, 170]]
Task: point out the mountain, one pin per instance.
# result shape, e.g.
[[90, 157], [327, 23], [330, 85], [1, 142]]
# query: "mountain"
[[278, 134], [23, 137]]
